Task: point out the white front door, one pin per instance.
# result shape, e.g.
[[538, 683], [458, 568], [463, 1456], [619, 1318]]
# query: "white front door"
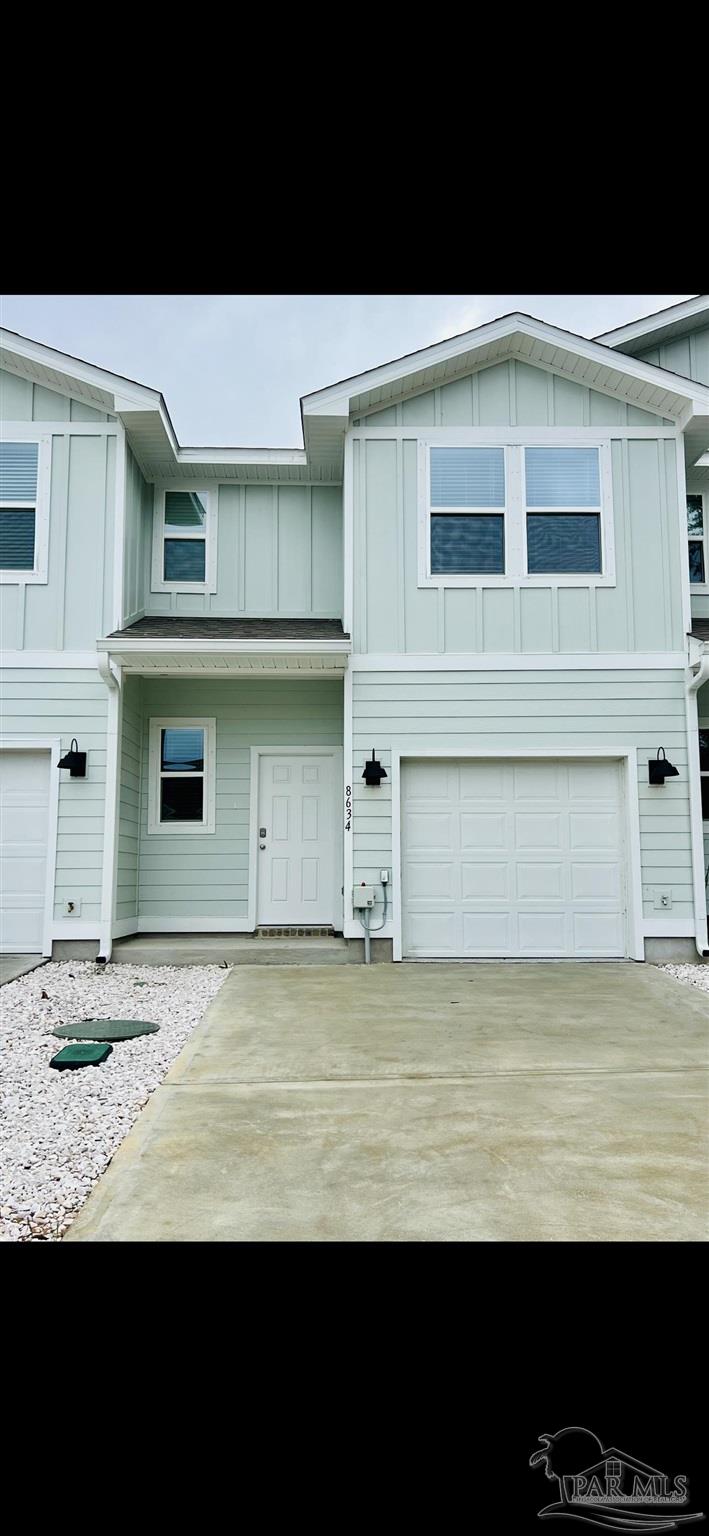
[[24, 819], [296, 845], [516, 858]]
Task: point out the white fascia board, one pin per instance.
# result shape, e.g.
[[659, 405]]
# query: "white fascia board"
[[148, 647], [336, 398], [658, 323], [136, 395], [259, 456]]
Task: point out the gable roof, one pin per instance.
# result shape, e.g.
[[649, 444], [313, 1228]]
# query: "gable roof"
[[326, 413], [676, 320]]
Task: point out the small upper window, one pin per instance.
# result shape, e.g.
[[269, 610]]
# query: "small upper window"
[[563, 511], [704, 772], [22, 530], [695, 534], [184, 541], [467, 530]]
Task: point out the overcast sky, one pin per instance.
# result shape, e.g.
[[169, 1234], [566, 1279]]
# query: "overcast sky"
[[232, 367]]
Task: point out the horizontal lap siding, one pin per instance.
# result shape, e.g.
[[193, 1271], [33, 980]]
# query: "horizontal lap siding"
[[392, 613], [413, 712], [67, 704], [129, 812], [208, 876]]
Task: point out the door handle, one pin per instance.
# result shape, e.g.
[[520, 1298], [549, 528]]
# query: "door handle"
[[262, 845]]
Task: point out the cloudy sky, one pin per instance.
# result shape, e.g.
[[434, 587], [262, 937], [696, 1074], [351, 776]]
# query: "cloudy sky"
[[232, 367]]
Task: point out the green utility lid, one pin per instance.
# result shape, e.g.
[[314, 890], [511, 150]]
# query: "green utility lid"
[[105, 1029], [80, 1056]]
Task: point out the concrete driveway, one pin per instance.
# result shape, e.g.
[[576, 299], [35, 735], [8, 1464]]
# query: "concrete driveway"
[[553, 1102]]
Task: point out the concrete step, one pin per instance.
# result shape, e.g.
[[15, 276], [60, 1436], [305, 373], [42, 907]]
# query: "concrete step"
[[234, 948]]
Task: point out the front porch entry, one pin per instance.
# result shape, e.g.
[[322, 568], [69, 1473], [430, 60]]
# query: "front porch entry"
[[296, 860]]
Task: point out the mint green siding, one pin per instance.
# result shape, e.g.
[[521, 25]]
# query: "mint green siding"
[[642, 611], [279, 552], [131, 743], [75, 605], [207, 876], [422, 711], [66, 703], [687, 355], [137, 540], [21, 400]]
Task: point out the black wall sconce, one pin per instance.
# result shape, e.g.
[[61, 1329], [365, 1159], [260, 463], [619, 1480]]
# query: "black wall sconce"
[[74, 760], [659, 769], [373, 771]]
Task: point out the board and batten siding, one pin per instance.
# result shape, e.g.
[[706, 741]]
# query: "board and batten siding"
[[137, 540], [687, 355], [279, 553], [208, 876], [74, 607], [67, 702], [413, 712], [393, 614]]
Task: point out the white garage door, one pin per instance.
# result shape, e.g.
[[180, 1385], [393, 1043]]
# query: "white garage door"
[[24, 814], [512, 859]]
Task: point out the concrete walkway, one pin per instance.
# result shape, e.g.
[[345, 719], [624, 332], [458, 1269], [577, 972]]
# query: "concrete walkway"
[[552, 1102], [12, 966]]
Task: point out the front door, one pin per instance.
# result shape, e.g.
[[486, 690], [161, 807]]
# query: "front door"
[[295, 842]]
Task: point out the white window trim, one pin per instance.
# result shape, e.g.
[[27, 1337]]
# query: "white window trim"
[[700, 586], [515, 515], [182, 828], [39, 573], [158, 582]]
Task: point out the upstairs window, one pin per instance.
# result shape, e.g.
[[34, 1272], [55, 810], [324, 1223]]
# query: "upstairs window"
[[563, 501], [23, 511], [696, 535], [182, 786], [184, 542], [467, 511]]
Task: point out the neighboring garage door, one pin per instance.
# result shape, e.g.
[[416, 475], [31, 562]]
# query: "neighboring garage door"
[[514, 858], [24, 814]]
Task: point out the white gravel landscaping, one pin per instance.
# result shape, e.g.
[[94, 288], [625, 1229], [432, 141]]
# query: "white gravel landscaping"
[[694, 975], [59, 1130]]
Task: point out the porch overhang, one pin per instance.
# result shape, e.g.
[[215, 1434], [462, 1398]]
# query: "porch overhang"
[[228, 647]]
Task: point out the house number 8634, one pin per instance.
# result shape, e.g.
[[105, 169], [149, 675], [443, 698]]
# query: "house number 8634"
[[348, 807]]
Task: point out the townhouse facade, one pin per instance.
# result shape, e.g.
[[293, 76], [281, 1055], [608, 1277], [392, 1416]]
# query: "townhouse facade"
[[406, 681]]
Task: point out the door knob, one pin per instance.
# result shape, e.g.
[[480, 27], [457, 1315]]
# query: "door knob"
[[262, 845]]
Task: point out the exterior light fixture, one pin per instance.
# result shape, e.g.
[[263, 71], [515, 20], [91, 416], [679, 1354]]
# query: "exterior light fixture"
[[74, 760], [373, 771], [659, 769]]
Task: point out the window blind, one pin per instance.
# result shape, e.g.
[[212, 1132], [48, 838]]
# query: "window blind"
[[562, 477]]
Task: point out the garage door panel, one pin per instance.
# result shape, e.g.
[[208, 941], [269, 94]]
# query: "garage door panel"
[[480, 831], [595, 881], [482, 781], [487, 933], [487, 879], [530, 859], [597, 933], [24, 820], [534, 829], [537, 881], [428, 830], [596, 829], [431, 880]]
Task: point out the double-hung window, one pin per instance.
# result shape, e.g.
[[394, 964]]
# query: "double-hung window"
[[563, 511], [184, 541], [467, 511], [697, 535], [24, 505], [704, 772], [181, 794], [515, 512]]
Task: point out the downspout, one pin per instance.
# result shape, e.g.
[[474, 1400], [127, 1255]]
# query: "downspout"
[[112, 678], [695, 678]]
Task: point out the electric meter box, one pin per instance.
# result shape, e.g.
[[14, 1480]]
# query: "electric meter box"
[[363, 896]]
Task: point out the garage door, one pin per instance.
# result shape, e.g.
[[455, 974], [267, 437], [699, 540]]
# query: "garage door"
[[24, 813], [512, 859]]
